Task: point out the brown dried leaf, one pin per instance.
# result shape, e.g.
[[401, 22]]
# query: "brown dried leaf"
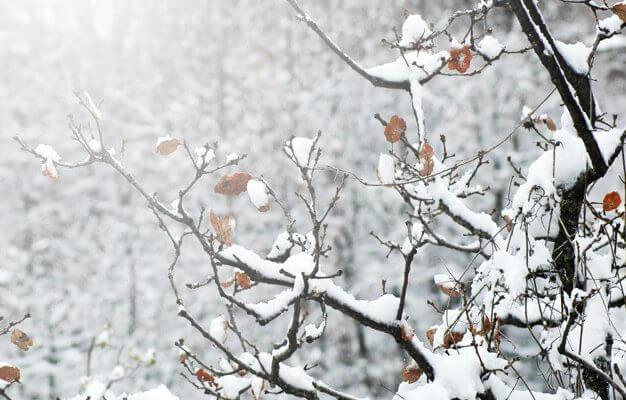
[[611, 201], [9, 373], [204, 376], [395, 129], [426, 160], [430, 334], [411, 373], [21, 340], [243, 280], [233, 184], [49, 169], [167, 146], [449, 289], [452, 338], [620, 11], [508, 223], [223, 227], [550, 124], [460, 59]]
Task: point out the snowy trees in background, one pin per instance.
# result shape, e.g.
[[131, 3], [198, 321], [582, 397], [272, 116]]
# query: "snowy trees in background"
[[535, 305]]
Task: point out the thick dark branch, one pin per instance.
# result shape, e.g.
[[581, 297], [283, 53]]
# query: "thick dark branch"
[[580, 103]]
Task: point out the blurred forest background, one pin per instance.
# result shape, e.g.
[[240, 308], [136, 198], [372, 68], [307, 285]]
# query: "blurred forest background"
[[86, 253]]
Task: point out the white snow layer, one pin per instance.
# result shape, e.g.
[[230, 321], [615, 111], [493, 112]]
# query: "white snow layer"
[[385, 170], [576, 55], [413, 30], [257, 192], [490, 47]]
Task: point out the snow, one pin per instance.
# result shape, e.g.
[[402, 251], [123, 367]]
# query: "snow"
[[575, 55], [158, 393], [382, 309], [416, 98], [47, 152], [232, 157], [272, 308], [117, 373], [218, 329], [399, 71], [88, 102], [414, 29], [94, 145], [480, 220], [208, 155], [302, 150], [295, 376], [608, 142], [570, 160], [490, 47], [257, 192], [385, 170], [457, 375], [611, 25], [284, 245]]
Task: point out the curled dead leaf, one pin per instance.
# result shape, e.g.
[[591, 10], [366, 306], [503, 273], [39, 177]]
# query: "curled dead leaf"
[[232, 184], [243, 280], [620, 11], [611, 201], [395, 129], [460, 59], [411, 373], [21, 340], [427, 164], [430, 334], [49, 169], [223, 227], [204, 376], [451, 338], [167, 145], [508, 223], [9, 373]]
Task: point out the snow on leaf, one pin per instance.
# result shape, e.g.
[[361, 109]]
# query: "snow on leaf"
[[166, 145], [21, 340], [257, 192], [395, 129], [47, 152], [302, 147], [219, 328], [611, 201], [414, 29], [490, 47], [232, 184], [386, 169]]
